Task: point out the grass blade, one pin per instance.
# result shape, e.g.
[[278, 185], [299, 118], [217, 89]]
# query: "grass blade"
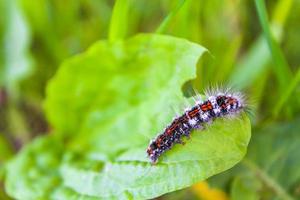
[[255, 61], [281, 67], [163, 26], [269, 181], [118, 22], [286, 95]]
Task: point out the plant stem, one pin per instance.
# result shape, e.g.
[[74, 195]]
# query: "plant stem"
[[163, 26], [265, 178]]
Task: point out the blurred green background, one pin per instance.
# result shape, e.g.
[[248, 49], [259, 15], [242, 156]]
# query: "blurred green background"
[[253, 45]]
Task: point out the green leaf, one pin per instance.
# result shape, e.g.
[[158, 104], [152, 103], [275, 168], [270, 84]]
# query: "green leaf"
[[34, 173], [112, 82], [131, 175], [255, 61], [164, 24], [105, 105], [287, 94], [281, 67], [118, 22], [40, 171]]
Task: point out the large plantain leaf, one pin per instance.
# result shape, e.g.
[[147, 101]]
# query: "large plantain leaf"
[[105, 105], [131, 175]]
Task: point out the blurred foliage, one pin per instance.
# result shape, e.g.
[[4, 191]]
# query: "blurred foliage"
[[246, 50], [205, 192]]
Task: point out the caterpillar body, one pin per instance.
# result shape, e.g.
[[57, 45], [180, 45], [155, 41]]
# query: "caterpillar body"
[[217, 105]]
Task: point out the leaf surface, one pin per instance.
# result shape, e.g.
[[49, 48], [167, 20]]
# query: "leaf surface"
[[105, 105]]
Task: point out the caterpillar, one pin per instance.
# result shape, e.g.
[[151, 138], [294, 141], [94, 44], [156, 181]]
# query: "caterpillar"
[[218, 104]]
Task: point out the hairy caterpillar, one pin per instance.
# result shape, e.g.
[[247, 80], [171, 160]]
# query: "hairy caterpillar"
[[218, 104]]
